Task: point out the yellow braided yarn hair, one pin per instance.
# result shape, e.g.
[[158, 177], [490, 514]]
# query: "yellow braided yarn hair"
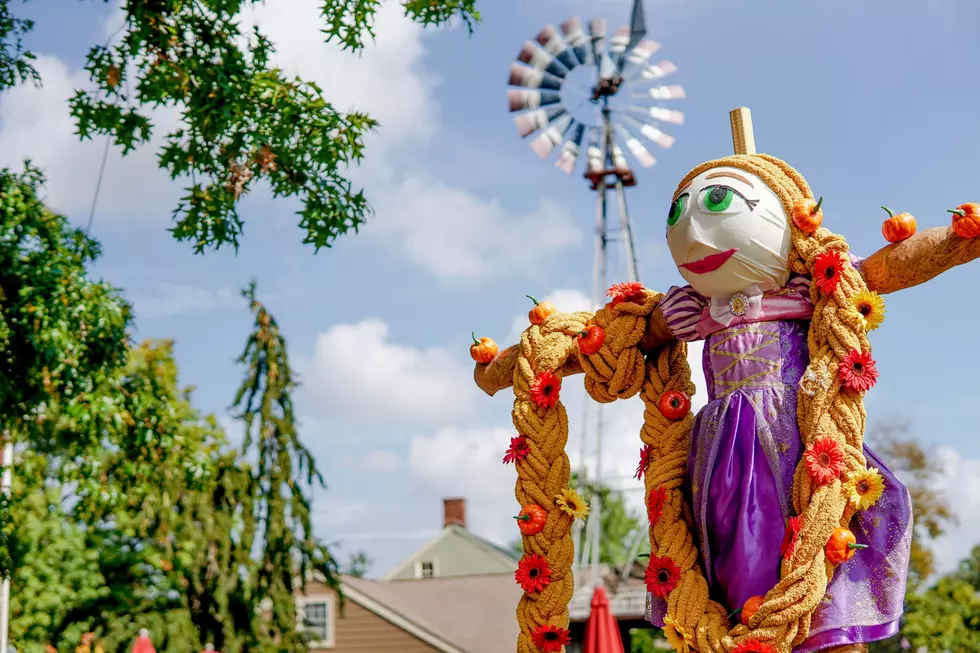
[[618, 371]]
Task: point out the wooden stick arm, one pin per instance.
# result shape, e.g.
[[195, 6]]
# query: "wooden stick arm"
[[498, 374], [918, 259]]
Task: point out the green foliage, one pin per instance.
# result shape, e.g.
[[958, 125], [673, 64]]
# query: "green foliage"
[[53, 569], [61, 334], [242, 119], [15, 62], [946, 617], [285, 468], [358, 565]]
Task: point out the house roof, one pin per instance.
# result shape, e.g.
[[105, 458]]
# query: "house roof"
[[474, 614], [453, 529]]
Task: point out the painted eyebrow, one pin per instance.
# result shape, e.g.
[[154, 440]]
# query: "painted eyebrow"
[[732, 175]]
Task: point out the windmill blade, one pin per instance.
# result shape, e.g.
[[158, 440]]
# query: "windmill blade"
[[597, 30], [538, 59], [570, 150], [532, 121], [618, 159], [594, 162], [575, 36], [521, 100], [618, 44], [635, 147], [659, 70], [531, 78], [551, 137], [672, 116], [642, 51], [667, 93], [665, 141], [553, 44]]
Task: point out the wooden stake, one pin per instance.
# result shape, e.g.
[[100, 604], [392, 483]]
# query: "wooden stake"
[[742, 135]]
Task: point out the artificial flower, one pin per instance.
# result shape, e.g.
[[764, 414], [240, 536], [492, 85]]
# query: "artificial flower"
[[518, 450], [533, 573], [827, 269], [864, 488], [550, 638], [677, 636], [545, 389], [858, 371], [824, 460], [645, 453], [655, 504], [572, 504], [631, 291], [662, 576], [754, 646], [790, 537], [871, 307]]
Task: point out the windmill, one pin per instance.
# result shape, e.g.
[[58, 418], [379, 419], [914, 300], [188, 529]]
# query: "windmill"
[[568, 88]]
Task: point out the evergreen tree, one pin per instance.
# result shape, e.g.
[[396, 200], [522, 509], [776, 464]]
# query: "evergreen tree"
[[285, 469]]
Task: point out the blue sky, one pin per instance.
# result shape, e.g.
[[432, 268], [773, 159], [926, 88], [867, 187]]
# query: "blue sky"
[[874, 102]]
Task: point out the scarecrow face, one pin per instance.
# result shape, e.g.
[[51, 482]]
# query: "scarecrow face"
[[728, 231]]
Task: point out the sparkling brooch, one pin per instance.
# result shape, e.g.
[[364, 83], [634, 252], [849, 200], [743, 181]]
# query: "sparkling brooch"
[[815, 379], [738, 304]]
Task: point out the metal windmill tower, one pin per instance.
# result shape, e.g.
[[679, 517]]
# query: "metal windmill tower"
[[571, 87]]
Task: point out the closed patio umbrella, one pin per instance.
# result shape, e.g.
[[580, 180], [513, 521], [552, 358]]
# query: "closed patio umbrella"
[[602, 629]]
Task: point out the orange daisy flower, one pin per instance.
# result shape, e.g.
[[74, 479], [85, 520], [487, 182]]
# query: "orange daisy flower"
[[545, 390], [827, 268], [858, 371], [518, 450], [631, 291], [655, 504], [645, 453], [754, 646], [533, 573], [791, 537], [550, 638], [662, 576], [824, 460]]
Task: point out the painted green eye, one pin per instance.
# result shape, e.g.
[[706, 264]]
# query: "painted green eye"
[[718, 198], [677, 210]]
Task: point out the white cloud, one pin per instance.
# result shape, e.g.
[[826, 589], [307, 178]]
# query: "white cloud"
[[358, 374], [377, 461], [961, 486], [36, 123], [454, 234], [171, 300]]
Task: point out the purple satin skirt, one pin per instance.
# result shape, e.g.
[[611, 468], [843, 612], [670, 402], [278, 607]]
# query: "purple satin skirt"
[[744, 451]]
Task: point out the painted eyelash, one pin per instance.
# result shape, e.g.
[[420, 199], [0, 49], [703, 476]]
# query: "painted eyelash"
[[750, 203]]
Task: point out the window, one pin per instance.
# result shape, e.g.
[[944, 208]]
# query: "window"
[[316, 620], [427, 569]]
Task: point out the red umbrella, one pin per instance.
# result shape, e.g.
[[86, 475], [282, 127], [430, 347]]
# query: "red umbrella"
[[602, 629]]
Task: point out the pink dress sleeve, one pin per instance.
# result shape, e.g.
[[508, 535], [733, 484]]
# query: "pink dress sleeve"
[[682, 308]]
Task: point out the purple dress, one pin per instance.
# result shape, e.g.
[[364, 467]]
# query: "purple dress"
[[745, 448]]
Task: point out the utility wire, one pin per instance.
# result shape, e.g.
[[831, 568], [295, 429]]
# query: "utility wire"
[[98, 185]]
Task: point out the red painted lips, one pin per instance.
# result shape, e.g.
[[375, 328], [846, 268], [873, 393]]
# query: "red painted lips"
[[709, 263]]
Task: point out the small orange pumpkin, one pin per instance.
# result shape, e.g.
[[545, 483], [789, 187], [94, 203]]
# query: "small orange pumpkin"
[[752, 605], [532, 519], [842, 546], [807, 215], [540, 312], [897, 227], [591, 340], [482, 350], [674, 404], [966, 220]]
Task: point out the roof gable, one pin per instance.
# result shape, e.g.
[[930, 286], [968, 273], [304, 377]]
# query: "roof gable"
[[471, 554]]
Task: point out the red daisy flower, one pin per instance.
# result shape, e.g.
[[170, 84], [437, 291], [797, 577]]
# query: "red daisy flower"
[[545, 389], [754, 646], [824, 460], [655, 504], [518, 450], [533, 573], [645, 453], [858, 371], [550, 638], [790, 537], [827, 270], [631, 291], [662, 576]]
